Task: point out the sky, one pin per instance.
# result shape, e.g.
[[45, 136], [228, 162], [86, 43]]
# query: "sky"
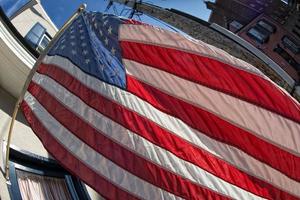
[[60, 10]]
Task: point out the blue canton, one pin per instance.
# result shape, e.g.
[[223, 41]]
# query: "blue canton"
[[91, 43]]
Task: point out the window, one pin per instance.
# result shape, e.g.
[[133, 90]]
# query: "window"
[[44, 43], [290, 44], [235, 26], [35, 35], [258, 35], [285, 1], [43, 187], [288, 58], [266, 25], [296, 33], [35, 177], [38, 38]]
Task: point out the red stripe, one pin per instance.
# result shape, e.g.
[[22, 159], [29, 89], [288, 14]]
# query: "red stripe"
[[161, 137], [217, 128], [120, 155], [212, 125], [71, 163], [135, 22], [216, 75]]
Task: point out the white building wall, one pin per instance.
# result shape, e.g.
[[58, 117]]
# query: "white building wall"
[[22, 136], [27, 19], [15, 65], [4, 195], [15, 62]]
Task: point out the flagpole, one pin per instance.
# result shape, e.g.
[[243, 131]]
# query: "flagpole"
[[81, 8]]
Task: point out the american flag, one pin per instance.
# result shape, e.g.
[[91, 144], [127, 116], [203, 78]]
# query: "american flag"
[[138, 112]]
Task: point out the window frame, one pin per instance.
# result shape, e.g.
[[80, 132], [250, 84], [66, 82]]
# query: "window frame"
[[31, 32], [294, 48], [39, 47], [236, 25], [29, 162], [272, 26], [287, 57], [253, 37], [285, 1]]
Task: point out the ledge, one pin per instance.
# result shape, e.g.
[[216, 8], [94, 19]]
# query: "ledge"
[[16, 57], [13, 31]]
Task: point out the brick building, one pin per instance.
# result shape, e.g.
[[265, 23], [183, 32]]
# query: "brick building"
[[272, 26]]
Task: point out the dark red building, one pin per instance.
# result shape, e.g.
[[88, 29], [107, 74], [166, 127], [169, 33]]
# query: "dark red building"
[[273, 26]]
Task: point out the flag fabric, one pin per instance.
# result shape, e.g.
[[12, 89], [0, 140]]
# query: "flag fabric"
[[138, 112]]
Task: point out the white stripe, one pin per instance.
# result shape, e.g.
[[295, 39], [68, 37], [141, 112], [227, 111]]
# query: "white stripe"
[[138, 144], [94, 160], [226, 152], [165, 38], [265, 124]]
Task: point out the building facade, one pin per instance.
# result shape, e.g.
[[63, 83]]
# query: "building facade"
[[272, 26], [24, 33], [278, 43]]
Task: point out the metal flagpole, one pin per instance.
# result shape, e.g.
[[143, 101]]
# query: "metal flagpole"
[[81, 8]]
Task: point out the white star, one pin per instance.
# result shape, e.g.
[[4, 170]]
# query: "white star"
[[72, 37], [87, 61], [104, 17], [72, 31], [79, 25], [62, 47], [102, 66], [106, 41], [73, 52], [85, 52], [73, 43], [81, 31], [109, 30], [83, 44], [113, 51], [96, 25], [115, 72], [101, 33], [105, 22]]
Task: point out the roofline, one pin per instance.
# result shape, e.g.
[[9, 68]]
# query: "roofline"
[[189, 16], [48, 18], [16, 34]]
